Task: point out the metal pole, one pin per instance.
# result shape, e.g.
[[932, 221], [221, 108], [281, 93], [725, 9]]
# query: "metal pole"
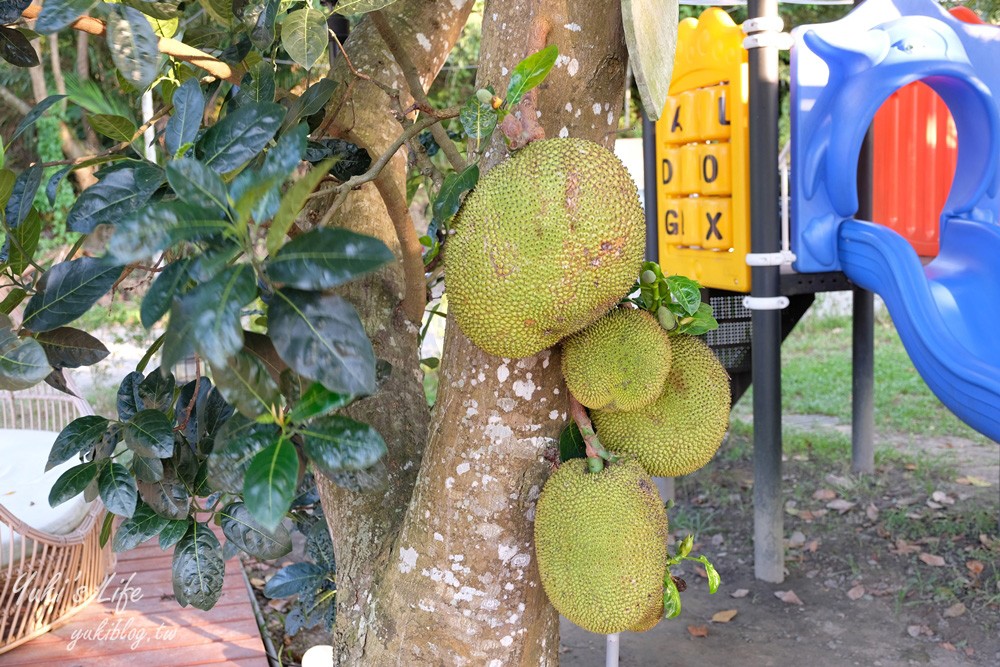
[[611, 650], [769, 554], [649, 182], [863, 339]]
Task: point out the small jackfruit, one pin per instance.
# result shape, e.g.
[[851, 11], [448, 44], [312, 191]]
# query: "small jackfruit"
[[680, 431], [545, 244], [619, 362], [601, 545]]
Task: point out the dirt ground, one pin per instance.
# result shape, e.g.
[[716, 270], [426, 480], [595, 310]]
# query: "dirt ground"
[[902, 568], [866, 597]]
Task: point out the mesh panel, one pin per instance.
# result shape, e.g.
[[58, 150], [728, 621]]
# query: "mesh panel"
[[731, 341]]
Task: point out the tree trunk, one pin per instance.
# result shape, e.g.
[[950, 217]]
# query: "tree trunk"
[[462, 587], [364, 524]]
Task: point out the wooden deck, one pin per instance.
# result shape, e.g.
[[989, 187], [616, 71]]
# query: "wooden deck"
[[149, 628]]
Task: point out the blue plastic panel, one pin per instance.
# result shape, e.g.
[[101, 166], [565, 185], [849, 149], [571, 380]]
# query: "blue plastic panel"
[[842, 72]]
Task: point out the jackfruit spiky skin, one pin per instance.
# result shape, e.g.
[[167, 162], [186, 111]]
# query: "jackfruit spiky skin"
[[619, 362], [682, 429], [601, 545], [546, 243], [649, 621]]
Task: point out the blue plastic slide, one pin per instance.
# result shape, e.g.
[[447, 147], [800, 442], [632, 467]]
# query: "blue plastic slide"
[[947, 313]]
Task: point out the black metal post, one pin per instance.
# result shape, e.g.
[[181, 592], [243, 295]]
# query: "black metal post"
[[765, 237], [863, 339], [650, 178]]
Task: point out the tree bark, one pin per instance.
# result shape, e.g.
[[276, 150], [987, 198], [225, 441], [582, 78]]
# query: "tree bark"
[[462, 587], [364, 524]]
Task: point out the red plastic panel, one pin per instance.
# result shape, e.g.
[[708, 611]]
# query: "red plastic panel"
[[916, 149]]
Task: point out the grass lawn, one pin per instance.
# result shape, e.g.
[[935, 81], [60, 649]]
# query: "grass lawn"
[[816, 380]]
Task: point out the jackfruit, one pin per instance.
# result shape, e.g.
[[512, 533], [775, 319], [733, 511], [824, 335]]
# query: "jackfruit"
[[545, 244], [682, 429], [601, 545], [619, 362]]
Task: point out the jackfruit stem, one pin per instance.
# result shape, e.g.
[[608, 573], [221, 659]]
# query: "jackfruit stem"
[[595, 462]]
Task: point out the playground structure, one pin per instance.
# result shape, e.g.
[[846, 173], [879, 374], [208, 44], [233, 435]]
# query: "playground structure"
[[931, 256]]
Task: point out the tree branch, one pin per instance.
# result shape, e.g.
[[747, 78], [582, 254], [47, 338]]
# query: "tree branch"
[[415, 298], [416, 87], [167, 46], [10, 98]]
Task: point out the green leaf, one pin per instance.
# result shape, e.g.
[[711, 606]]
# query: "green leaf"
[[196, 184], [80, 435], [106, 526], [189, 106], [128, 402], [237, 443], [322, 259], [117, 128], [22, 362], [304, 36], [67, 291], [671, 598], [450, 196], [269, 485], [198, 568], [571, 444], [156, 390], [685, 292], [23, 241], [316, 402], [117, 489], [239, 136], [66, 347], [351, 7], [350, 159], [212, 309], [150, 433], [245, 383], [258, 16], [257, 85], [117, 194], [166, 497], [292, 203], [241, 529], [13, 299], [134, 46], [23, 194], [701, 322], [147, 469], [57, 14], [163, 11], [173, 532], [714, 580], [293, 579], [478, 120], [160, 294], [35, 113], [143, 525], [336, 443], [57, 177], [7, 180], [321, 338], [159, 226], [16, 49], [255, 191], [530, 72], [310, 102], [71, 483]]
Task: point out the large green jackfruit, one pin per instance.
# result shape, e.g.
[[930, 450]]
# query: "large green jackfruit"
[[619, 362], [545, 244], [680, 431], [601, 545]]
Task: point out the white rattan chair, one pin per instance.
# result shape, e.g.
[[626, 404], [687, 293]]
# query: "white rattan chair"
[[46, 577]]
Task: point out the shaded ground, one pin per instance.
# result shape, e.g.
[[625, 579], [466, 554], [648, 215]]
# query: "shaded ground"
[[899, 569]]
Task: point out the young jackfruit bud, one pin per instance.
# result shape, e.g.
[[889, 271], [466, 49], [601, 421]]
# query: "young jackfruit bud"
[[648, 277], [484, 96], [666, 318]]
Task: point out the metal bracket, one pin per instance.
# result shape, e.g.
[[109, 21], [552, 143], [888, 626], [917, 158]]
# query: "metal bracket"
[[763, 24], [765, 302], [780, 258], [779, 40]]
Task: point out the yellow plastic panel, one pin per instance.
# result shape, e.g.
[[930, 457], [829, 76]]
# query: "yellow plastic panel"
[[670, 180], [705, 124], [712, 112], [715, 223], [689, 221], [689, 173], [671, 223], [714, 170]]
